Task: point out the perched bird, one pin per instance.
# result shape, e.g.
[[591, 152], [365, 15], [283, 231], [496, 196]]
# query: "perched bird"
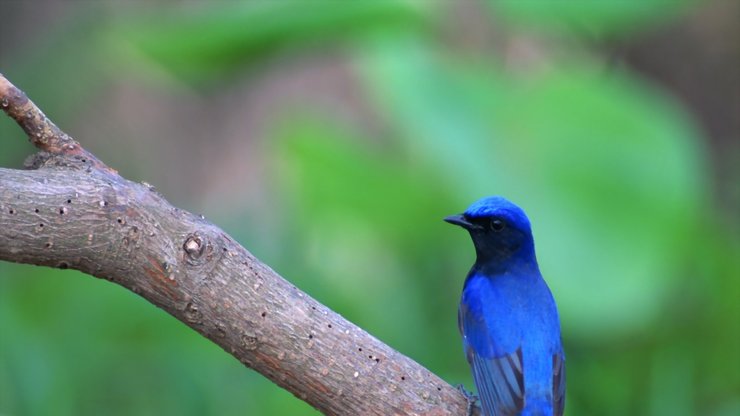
[[507, 316]]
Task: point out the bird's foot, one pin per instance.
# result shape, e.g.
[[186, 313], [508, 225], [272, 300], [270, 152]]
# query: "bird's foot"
[[470, 397]]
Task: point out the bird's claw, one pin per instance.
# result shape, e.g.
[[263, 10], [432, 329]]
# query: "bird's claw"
[[470, 397]]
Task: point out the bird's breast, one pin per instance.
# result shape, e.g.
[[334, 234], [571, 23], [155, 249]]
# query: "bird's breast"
[[508, 311]]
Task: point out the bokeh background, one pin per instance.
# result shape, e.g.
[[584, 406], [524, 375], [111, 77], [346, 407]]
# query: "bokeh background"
[[331, 138]]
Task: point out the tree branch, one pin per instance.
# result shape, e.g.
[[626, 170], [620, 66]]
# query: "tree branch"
[[70, 210]]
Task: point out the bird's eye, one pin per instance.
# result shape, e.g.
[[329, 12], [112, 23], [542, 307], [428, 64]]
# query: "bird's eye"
[[497, 225]]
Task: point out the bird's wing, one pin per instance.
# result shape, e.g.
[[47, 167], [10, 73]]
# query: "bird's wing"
[[499, 379], [500, 383], [558, 384]]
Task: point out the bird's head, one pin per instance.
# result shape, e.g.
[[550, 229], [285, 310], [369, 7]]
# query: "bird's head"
[[500, 230]]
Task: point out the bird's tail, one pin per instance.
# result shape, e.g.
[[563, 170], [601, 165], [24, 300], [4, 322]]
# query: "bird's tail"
[[537, 407]]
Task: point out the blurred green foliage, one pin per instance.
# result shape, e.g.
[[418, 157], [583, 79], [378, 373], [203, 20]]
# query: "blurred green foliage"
[[206, 45], [611, 169], [595, 19]]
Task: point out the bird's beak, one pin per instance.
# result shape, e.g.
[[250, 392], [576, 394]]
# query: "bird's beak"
[[460, 220]]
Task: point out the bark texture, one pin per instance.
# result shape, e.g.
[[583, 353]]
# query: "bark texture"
[[69, 210]]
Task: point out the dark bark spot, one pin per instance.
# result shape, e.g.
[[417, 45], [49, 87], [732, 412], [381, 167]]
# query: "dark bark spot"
[[263, 314], [221, 329], [63, 265], [403, 378], [249, 341], [11, 211], [192, 314], [36, 210]]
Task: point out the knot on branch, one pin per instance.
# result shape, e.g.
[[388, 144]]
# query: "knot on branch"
[[194, 246], [203, 251], [200, 249]]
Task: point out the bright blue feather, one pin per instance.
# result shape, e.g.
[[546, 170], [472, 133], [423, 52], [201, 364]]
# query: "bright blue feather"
[[507, 316]]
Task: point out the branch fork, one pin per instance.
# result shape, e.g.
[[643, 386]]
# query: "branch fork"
[[70, 210]]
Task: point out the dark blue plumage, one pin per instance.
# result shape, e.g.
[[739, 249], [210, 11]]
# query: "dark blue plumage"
[[507, 316]]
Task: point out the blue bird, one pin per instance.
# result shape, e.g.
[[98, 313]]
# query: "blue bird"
[[507, 316]]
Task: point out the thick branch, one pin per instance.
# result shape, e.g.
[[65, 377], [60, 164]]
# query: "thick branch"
[[71, 211]]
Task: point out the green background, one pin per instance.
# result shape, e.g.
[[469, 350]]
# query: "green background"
[[330, 138]]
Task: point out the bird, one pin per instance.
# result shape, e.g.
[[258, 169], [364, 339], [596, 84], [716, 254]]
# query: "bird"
[[507, 316]]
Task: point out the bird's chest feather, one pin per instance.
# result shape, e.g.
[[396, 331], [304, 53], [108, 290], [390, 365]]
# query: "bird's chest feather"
[[501, 314]]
